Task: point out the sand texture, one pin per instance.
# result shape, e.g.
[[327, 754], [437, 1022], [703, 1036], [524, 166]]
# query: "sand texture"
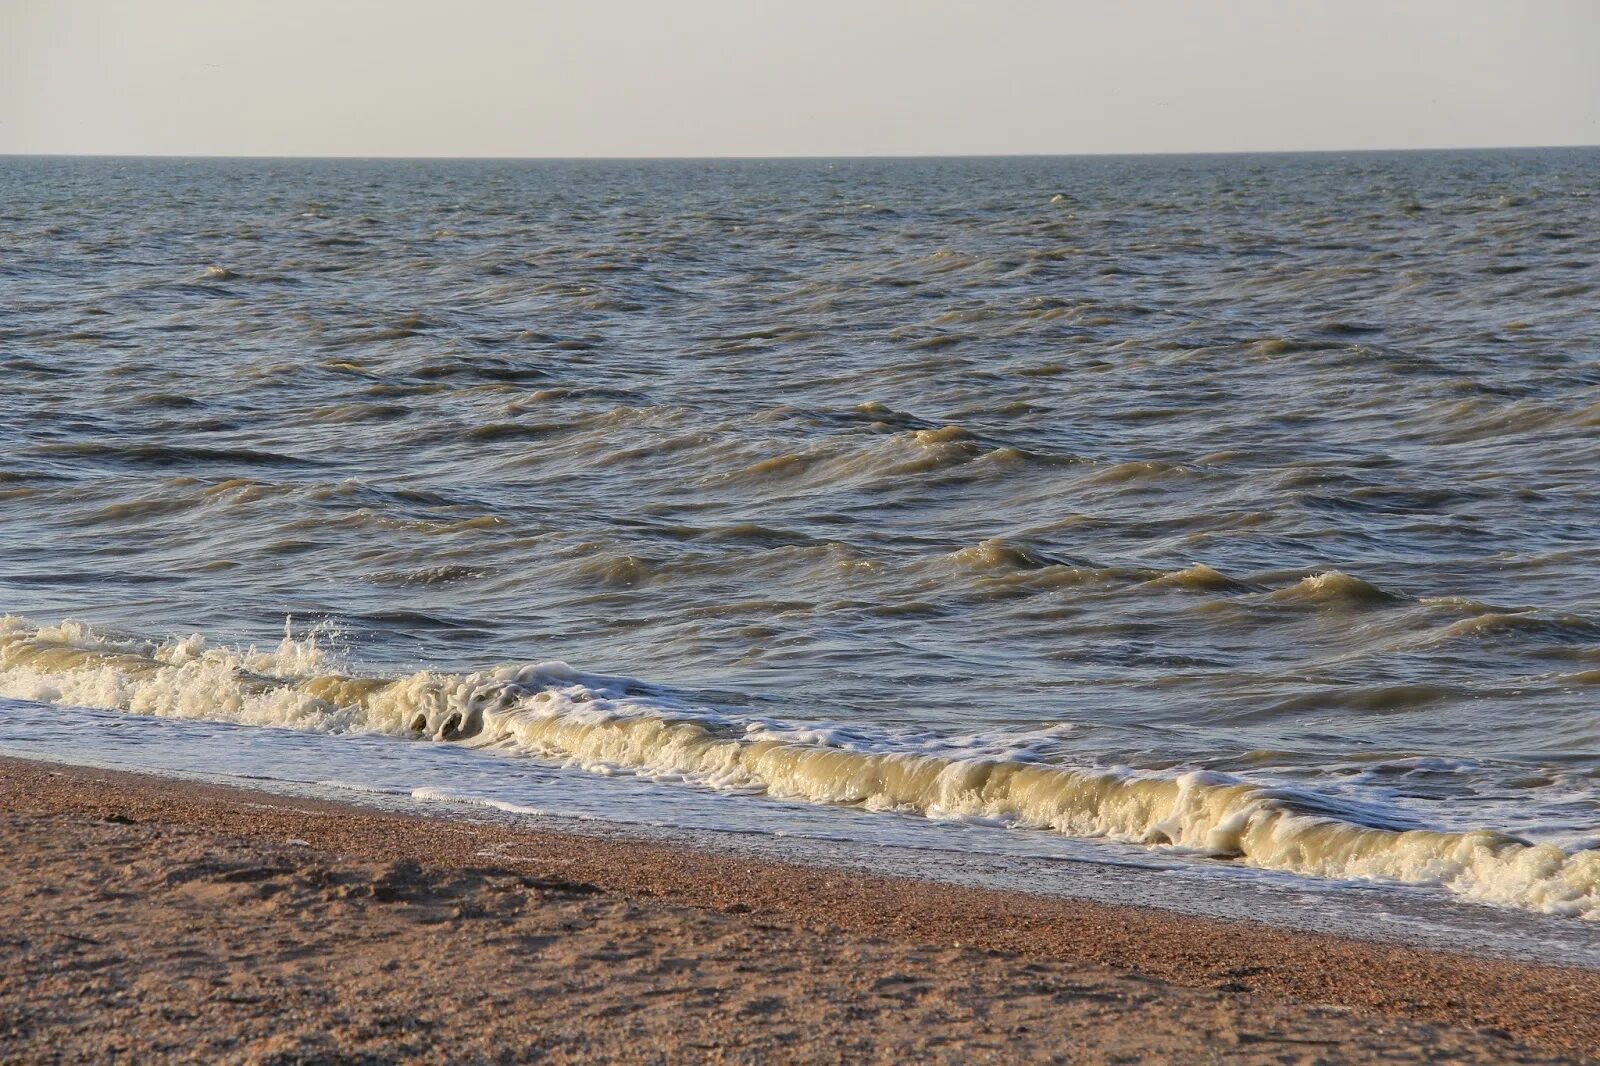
[[150, 920]]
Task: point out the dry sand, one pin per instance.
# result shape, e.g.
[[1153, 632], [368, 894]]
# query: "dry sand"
[[151, 920]]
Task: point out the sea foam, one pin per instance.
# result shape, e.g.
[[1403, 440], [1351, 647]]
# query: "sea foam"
[[609, 725]]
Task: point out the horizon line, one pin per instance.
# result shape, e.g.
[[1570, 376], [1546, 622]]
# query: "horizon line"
[[783, 157]]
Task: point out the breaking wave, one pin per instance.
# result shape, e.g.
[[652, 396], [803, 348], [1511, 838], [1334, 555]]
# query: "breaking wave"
[[606, 724]]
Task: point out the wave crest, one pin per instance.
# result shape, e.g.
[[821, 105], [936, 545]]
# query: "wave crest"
[[1334, 587], [550, 710]]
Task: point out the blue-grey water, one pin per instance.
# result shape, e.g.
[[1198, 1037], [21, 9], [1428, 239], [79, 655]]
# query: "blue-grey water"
[[1232, 506]]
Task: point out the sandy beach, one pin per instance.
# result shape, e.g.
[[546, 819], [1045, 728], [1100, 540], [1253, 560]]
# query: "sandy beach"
[[152, 920]]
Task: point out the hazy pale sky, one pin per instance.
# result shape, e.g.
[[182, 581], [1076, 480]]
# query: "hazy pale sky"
[[801, 77]]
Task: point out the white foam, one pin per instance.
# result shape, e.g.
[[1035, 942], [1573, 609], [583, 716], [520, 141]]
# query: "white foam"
[[614, 726]]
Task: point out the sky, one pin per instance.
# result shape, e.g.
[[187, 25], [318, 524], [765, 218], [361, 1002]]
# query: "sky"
[[791, 77]]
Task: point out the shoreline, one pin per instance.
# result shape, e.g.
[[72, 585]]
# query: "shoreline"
[[1172, 958]]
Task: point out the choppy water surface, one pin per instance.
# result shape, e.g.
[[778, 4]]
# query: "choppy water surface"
[[1240, 506]]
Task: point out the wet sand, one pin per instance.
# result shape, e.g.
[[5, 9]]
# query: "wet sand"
[[147, 919]]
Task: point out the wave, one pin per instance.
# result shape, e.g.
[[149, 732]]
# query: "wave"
[[1001, 558], [161, 455], [1494, 623], [607, 724], [1334, 588], [1138, 470]]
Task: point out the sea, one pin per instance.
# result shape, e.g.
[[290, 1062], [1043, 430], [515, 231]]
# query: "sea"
[[1220, 532]]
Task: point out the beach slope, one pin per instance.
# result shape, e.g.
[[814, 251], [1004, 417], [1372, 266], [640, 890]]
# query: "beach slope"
[[144, 919]]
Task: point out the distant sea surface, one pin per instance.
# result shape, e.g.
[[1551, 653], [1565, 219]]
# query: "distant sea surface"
[[1201, 511]]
